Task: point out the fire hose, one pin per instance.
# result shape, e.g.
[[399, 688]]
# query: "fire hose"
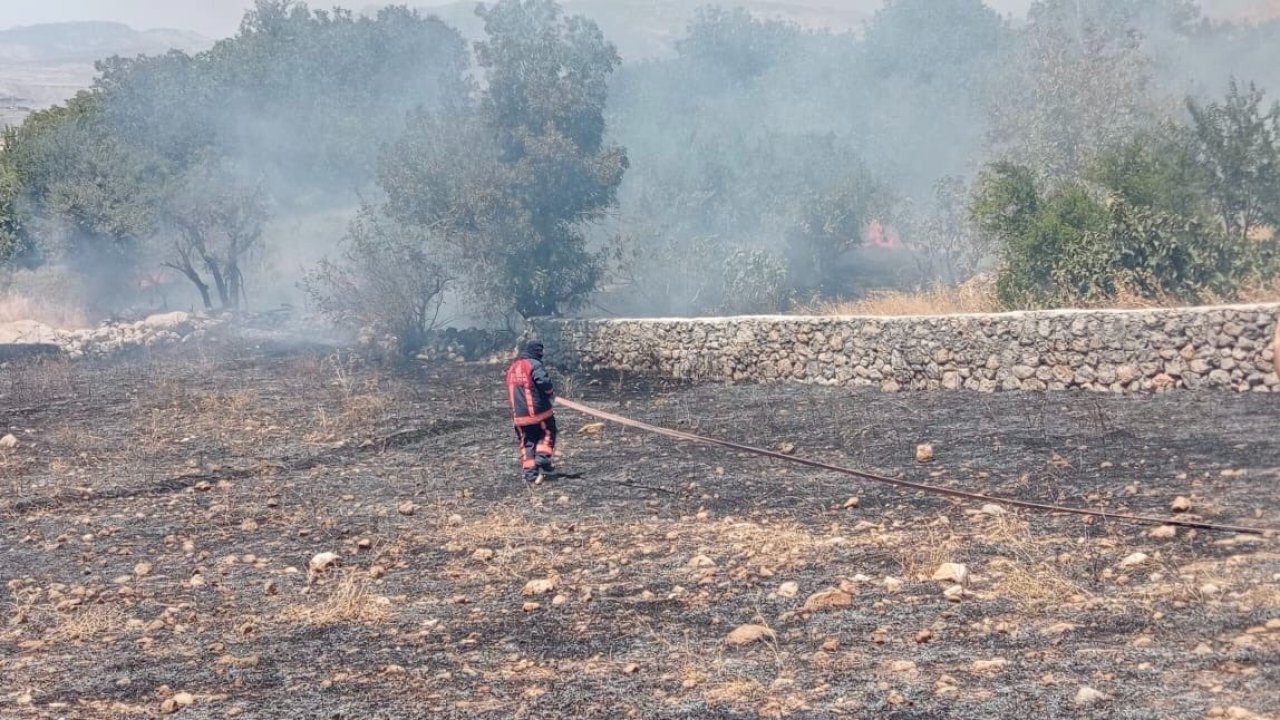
[[904, 484]]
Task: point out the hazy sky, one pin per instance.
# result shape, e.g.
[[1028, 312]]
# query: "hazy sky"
[[219, 18]]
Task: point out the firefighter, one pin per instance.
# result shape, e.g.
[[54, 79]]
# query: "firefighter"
[[532, 397], [1275, 348]]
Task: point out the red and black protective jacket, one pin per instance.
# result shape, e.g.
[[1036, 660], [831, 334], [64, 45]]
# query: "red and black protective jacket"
[[530, 391]]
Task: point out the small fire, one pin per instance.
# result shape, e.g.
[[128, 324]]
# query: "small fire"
[[154, 281], [880, 235]]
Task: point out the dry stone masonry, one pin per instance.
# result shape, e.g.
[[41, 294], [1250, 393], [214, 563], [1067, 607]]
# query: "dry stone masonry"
[[1119, 351], [110, 338]]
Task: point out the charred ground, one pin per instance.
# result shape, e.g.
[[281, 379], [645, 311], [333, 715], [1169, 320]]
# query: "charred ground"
[[159, 514]]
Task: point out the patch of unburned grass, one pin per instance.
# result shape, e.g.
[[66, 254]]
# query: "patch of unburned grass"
[[347, 601], [87, 622]]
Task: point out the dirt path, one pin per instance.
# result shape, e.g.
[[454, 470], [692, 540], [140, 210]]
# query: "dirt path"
[[158, 517]]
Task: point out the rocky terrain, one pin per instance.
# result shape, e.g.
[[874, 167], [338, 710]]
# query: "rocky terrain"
[[210, 530]]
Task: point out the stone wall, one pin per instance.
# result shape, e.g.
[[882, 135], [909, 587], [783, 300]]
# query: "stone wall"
[[1104, 350], [25, 338]]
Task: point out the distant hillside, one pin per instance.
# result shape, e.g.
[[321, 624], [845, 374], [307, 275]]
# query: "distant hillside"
[[77, 42], [41, 65]]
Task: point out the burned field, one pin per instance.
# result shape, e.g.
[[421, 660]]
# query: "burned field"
[[163, 522]]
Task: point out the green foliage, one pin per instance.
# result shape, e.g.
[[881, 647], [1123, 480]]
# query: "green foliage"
[[1155, 168], [512, 180], [10, 188], [83, 187], [1238, 146], [1186, 216], [1047, 240]]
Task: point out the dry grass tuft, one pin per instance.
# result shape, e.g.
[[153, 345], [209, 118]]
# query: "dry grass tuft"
[[86, 623], [919, 559], [976, 296], [349, 602], [15, 307], [1034, 584]]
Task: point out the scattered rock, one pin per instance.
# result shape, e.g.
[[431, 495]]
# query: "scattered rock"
[[993, 510], [242, 663], [989, 667], [828, 600], [321, 562], [924, 636], [851, 503], [407, 508], [1181, 504], [592, 428], [701, 562], [1134, 560], [269, 588], [902, 666], [951, 572], [892, 584], [1210, 589], [142, 569], [540, 586], [482, 555], [789, 589], [1164, 532], [532, 607], [1058, 629], [747, 634], [168, 321], [955, 593], [377, 572], [787, 448], [631, 669], [177, 702], [8, 442], [924, 453], [1088, 696]]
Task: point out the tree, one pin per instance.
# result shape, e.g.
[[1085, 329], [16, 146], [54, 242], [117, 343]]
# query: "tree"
[[513, 179], [83, 193], [943, 239], [733, 44], [217, 224], [1155, 168], [1238, 145], [1044, 237], [389, 279], [1080, 83]]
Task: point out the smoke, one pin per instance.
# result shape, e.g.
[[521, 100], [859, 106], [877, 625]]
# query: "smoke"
[[821, 154]]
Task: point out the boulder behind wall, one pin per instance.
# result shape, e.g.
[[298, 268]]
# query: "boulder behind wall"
[[176, 321]]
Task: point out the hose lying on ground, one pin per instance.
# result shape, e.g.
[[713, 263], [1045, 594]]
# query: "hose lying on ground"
[[933, 489]]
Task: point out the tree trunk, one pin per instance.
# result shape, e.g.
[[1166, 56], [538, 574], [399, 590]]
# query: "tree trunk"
[[191, 274]]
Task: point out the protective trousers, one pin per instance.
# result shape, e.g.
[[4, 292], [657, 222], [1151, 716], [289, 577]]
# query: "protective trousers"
[[537, 445]]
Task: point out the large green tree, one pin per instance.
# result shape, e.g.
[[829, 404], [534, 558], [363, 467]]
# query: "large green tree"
[[1238, 145], [513, 179]]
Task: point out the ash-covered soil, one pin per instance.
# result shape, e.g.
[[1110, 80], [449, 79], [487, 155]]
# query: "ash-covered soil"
[[158, 517]]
